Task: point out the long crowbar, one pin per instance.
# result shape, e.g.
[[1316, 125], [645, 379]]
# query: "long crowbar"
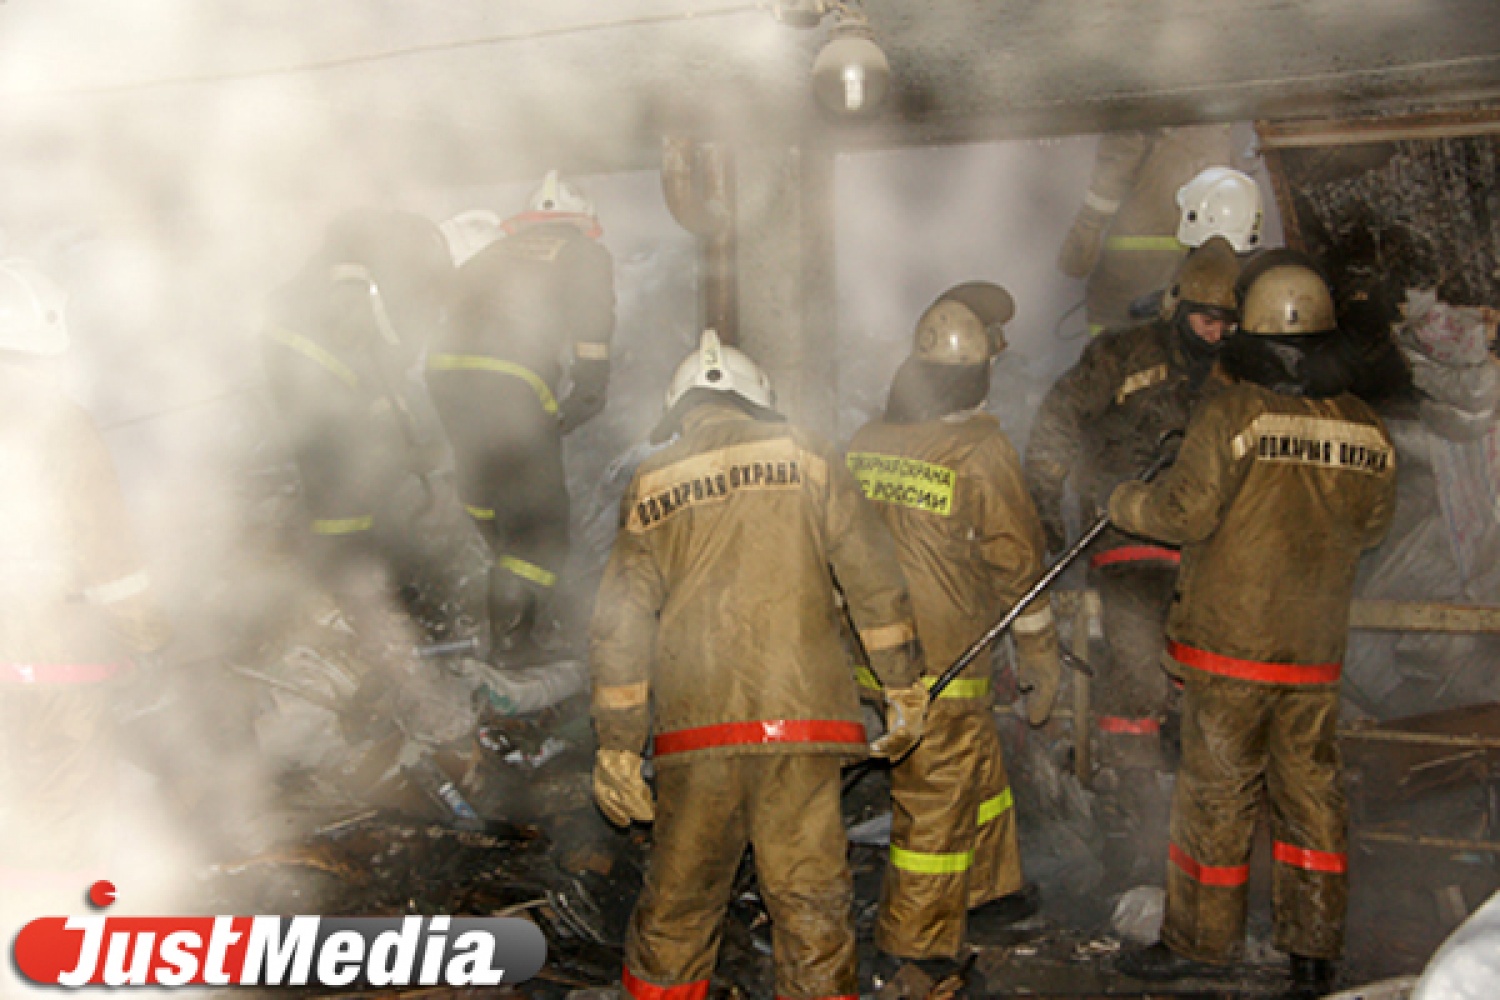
[[1163, 459]]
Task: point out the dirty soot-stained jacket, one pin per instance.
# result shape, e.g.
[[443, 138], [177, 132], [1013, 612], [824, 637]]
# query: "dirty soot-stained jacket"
[[69, 566], [718, 601], [1101, 422], [341, 405], [527, 304], [951, 492], [1272, 497]]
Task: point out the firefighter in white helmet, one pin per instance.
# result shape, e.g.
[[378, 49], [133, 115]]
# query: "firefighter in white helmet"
[[1124, 239], [77, 611], [716, 636], [947, 483], [533, 308], [1220, 201]]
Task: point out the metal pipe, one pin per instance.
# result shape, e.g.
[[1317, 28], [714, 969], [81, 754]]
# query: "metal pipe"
[[698, 182]]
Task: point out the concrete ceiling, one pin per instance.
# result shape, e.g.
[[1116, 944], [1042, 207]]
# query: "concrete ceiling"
[[375, 94]]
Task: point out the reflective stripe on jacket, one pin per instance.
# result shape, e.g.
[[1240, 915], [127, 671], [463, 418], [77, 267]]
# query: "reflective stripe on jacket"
[[967, 536], [1272, 498], [717, 605]]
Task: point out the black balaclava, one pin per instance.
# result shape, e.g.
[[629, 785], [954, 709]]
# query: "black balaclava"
[[924, 391], [1315, 366], [1199, 353]]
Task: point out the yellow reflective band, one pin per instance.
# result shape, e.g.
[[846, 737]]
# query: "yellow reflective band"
[[964, 687], [1145, 243], [991, 809], [480, 513], [1144, 379], [588, 351], [342, 525], [528, 571], [931, 864], [313, 352], [480, 363], [867, 679], [907, 482]]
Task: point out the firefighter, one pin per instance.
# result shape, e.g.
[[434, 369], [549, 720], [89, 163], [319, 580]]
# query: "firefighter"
[[532, 306], [1283, 479], [1098, 425], [1123, 240], [338, 341], [716, 629], [78, 609], [948, 484]]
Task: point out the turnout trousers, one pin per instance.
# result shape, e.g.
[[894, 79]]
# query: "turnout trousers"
[[1133, 693], [1242, 740], [953, 833], [785, 806]]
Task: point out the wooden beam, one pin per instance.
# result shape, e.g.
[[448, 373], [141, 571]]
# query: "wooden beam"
[[1423, 616]]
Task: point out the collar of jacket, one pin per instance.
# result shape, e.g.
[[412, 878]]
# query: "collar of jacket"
[[707, 414]]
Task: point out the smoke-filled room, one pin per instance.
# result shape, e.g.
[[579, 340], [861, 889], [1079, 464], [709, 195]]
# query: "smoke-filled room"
[[750, 499]]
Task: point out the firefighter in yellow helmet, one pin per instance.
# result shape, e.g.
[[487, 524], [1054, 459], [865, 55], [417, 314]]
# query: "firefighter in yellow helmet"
[[532, 307], [1126, 239], [717, 633], [78, 609], [1099, 425], [1284, 478], [948, 484]]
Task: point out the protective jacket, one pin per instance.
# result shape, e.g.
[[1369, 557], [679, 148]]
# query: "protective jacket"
[[343, 407], [717, 610], [1100, 424], [528, 305], [718, 599], [1125, 237], [1273, 498], [76, 602], [951, 493]]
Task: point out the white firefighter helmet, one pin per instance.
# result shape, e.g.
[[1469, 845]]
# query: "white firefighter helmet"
[[1220, 201], [469, 232], [559, 196], [32, 317], [722, 369]]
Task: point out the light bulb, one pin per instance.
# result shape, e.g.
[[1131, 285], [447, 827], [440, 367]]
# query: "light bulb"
[[854, 87]]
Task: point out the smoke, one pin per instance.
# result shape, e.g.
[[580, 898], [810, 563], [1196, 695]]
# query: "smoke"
[[171, 162]]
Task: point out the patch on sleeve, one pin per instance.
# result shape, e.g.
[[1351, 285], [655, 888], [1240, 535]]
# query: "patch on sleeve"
[[1143, 379]]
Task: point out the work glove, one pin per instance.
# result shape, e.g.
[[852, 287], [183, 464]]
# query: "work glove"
[[1080, 250], [621, 792], [1040, 672], [905, 713]]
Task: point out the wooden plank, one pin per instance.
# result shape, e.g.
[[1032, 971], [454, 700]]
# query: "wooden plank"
[[1298, 134], [1423, 616]]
